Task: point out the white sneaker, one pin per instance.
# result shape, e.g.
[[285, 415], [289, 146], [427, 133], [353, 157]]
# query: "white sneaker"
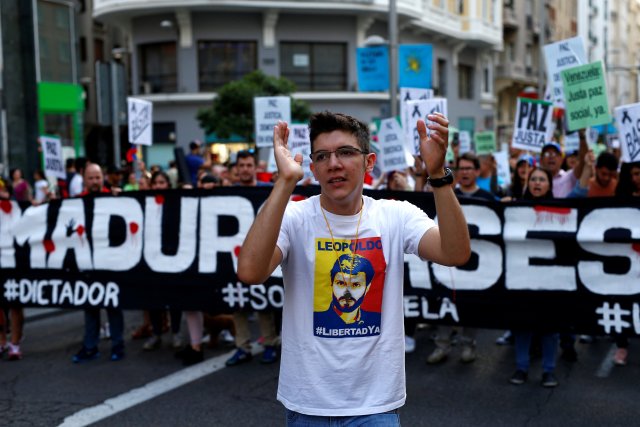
[[105, 333], [226, 337], [409, 344], [206, 339], [152, 343], [176, 341]]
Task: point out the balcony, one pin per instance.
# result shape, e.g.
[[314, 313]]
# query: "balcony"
[[421, 13], [509, 19]]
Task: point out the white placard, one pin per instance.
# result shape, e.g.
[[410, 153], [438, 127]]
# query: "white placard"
[[410, 94], [53, 159], [572, 140], [420, 110], [534, 124], [392, 148], [503, 170], [628, 120], [560, 56], [267, 112], [299, 142], [140, 113], [464, 142]]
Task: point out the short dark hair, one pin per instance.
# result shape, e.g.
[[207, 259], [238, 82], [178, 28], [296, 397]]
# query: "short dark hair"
[[81, 163], [607, 160], [353, 264], [470, 157], [327, 121], [245, 154]]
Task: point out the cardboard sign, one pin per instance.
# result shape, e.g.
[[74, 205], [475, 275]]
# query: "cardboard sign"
[[419, 110], [299, 142], [391, 144], [373, 68], [628, 122], [415, 65], [140, 115], [410, 94], [485, 142], [53, 159], [533, 126], [560, 56], [464, 141], [502, 163], [268, 111], [585, 92]]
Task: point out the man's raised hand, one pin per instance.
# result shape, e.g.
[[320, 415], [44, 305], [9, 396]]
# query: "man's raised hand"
[[433, 148], [289, 168]]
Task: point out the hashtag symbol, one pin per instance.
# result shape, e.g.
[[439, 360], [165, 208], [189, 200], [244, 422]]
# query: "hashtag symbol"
[[612, 318], [235, 294], [319, 330], [11, 290]]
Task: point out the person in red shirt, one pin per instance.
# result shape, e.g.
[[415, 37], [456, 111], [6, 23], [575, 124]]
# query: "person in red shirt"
[[94, 183]]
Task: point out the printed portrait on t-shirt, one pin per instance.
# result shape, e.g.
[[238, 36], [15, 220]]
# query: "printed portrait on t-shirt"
[[348, 287]]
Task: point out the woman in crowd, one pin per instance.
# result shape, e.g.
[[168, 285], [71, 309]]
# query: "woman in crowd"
[[41, 187], [160, 181], [539, 187], [519, 179], [22, 191], [628, 188]]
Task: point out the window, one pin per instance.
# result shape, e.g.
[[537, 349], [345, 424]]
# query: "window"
[[442, 78], [158, 68], [220, 62], [55, 42], [528, 59], [465, 82], [315, 66], [487, 78]]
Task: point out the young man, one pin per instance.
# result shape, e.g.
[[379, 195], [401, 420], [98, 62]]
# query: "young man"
[[307, 237]]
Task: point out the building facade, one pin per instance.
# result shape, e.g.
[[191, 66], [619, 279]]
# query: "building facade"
[[180, 54]]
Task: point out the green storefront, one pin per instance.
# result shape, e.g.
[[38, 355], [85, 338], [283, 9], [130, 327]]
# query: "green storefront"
[[60, 113]]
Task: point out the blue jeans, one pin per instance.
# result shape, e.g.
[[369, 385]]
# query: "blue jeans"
[[385, 419], [549, 350], [92, 327]]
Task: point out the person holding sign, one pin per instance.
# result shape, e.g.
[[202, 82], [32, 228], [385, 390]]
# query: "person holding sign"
[[551, 160], [307, 237]]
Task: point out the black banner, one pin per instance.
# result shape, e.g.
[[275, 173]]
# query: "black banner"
[[567, 264]]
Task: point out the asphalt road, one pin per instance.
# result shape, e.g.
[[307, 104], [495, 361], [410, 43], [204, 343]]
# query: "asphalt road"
[[45, 388]]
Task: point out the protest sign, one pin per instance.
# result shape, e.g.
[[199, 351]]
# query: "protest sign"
[[559, 56], [268, 111], [419, 110], [464, 139], [53, 159], [628, 122], [533, 126], [585, 91], [299, 142], [485, 142], [410, 94], [373, 68], [140, 113], [502, 163], [535, 265], [415, 65], [391, 145]]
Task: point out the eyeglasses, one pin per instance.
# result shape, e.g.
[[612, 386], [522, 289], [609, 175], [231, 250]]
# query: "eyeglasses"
[[551, 153], [342, 153], [467, 169]]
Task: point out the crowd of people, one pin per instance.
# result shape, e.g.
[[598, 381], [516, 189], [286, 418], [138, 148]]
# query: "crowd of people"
[[548, 175]]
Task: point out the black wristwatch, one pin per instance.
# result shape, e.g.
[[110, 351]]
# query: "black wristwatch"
[[447, 179]]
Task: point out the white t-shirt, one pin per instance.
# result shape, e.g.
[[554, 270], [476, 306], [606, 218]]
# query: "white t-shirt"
[[41, 186], [76, 185], [329, 368]]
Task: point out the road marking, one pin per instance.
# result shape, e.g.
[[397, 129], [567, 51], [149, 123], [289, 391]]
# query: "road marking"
[[607, 364], [148, 391]]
